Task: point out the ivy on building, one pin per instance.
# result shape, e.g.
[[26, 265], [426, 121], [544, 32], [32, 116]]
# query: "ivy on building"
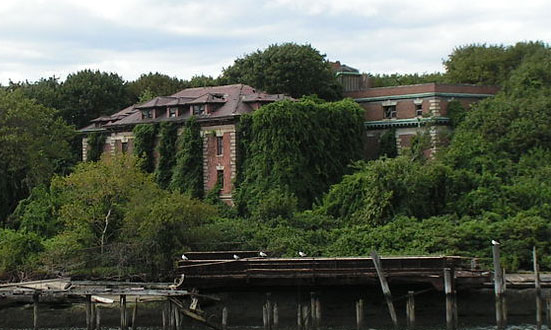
[[167, 159], [144, 145], [95, 146], [387, 144], [187, 175], [299, 148]]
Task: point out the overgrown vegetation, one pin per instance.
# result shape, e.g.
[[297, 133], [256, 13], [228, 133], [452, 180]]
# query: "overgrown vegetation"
[[144, 145], [167, 155], [95, 146], [187, 175]]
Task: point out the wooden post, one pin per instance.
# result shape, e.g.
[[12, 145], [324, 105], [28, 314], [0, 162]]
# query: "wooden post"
[[134, 314], [299, 315], [224, 318], [88, 309], [265, 316], [164, 314], [410, 310], [315, 310], [318, 312], [549, 312], [384, 287], [177, 319], [498, 286], [35, 310], [449, 290], [276, 316], [359, 314], [539, 320], [306, 317], [269, 310], [123, 311], [98, 318]]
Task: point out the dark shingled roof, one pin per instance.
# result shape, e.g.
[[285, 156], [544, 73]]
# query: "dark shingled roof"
[[230, 100]]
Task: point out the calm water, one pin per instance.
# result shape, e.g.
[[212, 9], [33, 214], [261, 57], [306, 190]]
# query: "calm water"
[[510, 327]]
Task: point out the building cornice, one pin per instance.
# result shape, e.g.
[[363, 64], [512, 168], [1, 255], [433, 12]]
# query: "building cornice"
[[410, 122], [421, 95]]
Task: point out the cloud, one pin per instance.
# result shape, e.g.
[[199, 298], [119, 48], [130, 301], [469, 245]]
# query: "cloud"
[[183, 37]]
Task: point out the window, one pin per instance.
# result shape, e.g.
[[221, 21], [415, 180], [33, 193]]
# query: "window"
[[172, 112], [389, 111], [147, 114], [124, 147], [219, 145], [419, 109], [220, 178], [198, 109]]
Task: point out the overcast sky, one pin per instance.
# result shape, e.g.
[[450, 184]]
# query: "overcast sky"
[[41, 38]]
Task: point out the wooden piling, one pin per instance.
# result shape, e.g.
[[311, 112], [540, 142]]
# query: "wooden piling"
[[98, 318], [122, 300], [299, 315], [359, 314], [539, 319], [88, 309], [498, 287], [224, 318], [410, 310], [269, 309], [35, 310], [177, 319], [306, 317], [449, 290], [134, 314], [318, 312], [265, 317], [164, 315], [384, 287], [548, 312], [275, 316]]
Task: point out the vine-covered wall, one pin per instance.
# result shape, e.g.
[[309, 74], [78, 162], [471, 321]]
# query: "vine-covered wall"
[[144, 145], [95, 146]]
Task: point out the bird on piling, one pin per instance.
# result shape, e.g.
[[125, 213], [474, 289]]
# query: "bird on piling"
[[494, 242], [184, 257], [262, 254], [236, 257], [301, 254]]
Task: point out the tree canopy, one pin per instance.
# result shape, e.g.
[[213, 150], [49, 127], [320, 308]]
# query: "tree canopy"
[[289, 68]]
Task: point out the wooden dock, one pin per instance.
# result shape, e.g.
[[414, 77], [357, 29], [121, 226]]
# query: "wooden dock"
[[219, 270]]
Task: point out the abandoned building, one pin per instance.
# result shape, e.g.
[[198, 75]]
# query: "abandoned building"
[[408, 110]]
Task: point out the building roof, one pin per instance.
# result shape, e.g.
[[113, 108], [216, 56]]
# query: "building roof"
[[229, 101], [422, 90]]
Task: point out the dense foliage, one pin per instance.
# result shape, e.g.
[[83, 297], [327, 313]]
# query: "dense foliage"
[[107, 218], [289, 68], [34, 147], [187, 175], [96, 142], [167, 154], [300, 148], [144, 145]]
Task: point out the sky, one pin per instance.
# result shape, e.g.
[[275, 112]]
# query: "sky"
[[183, 38]]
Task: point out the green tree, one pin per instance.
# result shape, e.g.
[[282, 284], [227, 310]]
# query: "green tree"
[[34, 147], [89, 94], [289, 68], [157, 84], [187, 176]]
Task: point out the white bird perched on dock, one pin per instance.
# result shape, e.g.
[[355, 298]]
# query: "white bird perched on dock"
[[494, 242], [262, 254], [301, 254], [236, 257], [184, 257]]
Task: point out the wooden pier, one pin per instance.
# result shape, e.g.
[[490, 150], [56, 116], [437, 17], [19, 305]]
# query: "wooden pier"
[[220, 270]]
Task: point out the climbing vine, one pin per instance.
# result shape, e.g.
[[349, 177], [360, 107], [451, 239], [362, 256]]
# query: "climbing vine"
[[187, 176], [387, 144], [95, 146], [300, 148], [144, 145], [167, 159]]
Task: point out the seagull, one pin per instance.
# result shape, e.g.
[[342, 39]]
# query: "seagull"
[[301, 254], [236, 257], [262, 254], [184, 257], [494, 242]]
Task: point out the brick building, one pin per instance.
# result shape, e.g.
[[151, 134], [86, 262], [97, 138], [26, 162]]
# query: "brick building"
[[409, 109], [217, 110]]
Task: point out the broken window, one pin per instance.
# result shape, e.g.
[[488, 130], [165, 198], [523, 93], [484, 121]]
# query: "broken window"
[[219, 145], [198, 109], [418, 110], [389, 111]]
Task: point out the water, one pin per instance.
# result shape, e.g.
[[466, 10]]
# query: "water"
[[510, 327]]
